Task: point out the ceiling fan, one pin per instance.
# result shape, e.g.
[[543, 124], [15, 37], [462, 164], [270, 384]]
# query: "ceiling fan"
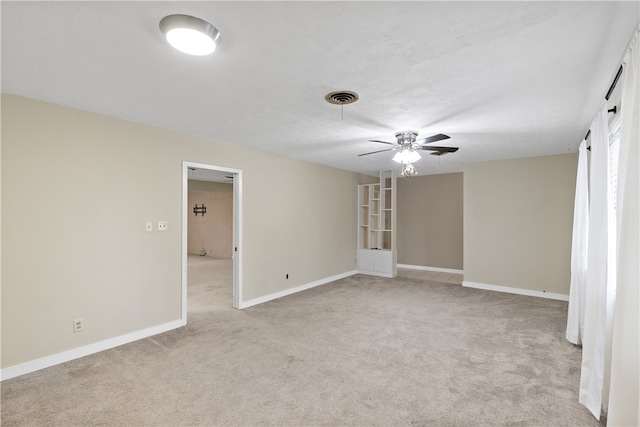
[[407, 144]]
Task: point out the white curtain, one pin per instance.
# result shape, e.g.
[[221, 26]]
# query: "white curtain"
[[577, 290], [598, 309], [624, 403]]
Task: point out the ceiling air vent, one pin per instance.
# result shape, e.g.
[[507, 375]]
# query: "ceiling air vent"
[[341, 97]]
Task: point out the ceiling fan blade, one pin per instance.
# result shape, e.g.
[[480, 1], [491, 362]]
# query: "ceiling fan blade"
[[433, 138], [441, 149], [379, 151], [382, 142]]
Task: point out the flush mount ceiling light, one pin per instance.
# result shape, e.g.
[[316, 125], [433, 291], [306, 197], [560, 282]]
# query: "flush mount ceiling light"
[[189, 34]]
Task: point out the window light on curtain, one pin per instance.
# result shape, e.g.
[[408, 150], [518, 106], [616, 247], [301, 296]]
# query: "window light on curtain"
[[579, 242], [600, 284], [605, 276]]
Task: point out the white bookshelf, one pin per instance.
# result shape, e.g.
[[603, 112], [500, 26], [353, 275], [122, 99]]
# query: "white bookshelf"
[[377, 254]]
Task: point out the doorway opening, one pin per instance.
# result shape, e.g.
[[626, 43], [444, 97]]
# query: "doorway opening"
[[203, 173]]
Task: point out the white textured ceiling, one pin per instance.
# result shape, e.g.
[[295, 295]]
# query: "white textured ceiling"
[[503, 79]]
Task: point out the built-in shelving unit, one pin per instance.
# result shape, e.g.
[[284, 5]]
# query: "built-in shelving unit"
[[377, 225]]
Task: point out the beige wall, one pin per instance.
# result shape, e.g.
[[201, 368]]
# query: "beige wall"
[[218, 187], [213, 231], [368, 179], [430, 212], [518, 217], [77, 188]]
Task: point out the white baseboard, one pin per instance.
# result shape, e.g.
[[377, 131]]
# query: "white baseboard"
[[284, 293], [76, 353], [438, 269], [528, 292], [376, 273]]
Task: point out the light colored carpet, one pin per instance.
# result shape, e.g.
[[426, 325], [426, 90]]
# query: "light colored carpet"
[[358, 351]]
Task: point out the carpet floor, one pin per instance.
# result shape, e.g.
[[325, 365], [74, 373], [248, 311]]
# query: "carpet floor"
[[359, 351]]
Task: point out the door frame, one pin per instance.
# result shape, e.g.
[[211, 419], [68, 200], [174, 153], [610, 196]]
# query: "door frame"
[[237, 230]]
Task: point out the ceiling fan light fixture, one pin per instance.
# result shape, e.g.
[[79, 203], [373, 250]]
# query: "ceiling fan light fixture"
[[406, 136], [189, 34], [407, 156], [408, 170]]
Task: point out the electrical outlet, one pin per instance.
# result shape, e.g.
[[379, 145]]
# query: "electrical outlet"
[[162, 225], [149, 226], [78, 325]]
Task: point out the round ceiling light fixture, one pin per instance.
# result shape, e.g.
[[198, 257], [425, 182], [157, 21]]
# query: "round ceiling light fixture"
[[189, 34]]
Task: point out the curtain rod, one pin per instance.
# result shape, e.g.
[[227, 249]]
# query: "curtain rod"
[[614, 110]]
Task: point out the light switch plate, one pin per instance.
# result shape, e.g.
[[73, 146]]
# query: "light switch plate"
[[162, 225]]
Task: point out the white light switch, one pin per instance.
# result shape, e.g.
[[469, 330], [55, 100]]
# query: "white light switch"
[[162, 225], [149, 226]]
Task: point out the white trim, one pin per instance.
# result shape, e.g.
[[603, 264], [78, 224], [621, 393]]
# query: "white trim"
[[300, 288], [184, 250], [438, 269], [76, 353], [528, 292], [237, 238]]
